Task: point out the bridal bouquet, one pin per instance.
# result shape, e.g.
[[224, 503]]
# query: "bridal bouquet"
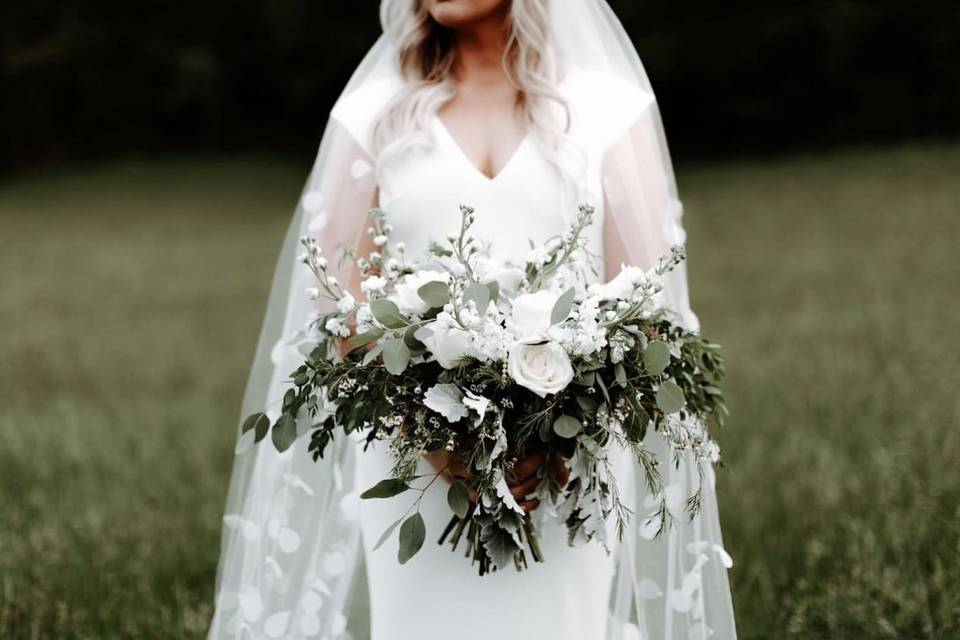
[[490, 360]]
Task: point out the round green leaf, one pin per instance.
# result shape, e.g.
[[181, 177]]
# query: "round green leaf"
[[656, 357], [458, 499], [436, 293], [388, 314], [284, 432], [563, 306], [566, 426], [670, 397], [413, 531], [396, 356]]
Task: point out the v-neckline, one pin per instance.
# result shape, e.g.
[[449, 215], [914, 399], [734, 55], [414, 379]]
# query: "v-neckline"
[[466, 158]]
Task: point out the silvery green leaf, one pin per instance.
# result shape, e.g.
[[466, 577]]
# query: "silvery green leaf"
[[260, 424], [479, 294], [620, 374], [499, 545], [436, 293], [371, 355], [447, 400], [396, 356], [284, 432], [566, 426], [386, 534], [388, 314], [588, 403], [458, 499], [366, 337], [656, 357], [494, 287], [670, 397], [563, 306], [410, 338], [412, 534], [385, 489]]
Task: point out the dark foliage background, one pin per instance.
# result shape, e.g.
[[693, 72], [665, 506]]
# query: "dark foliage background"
[[85, 77]]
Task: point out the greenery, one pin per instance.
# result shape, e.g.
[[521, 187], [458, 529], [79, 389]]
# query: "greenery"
[[126, 343]]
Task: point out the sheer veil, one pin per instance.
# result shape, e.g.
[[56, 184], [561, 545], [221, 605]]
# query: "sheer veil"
[[291, 558]]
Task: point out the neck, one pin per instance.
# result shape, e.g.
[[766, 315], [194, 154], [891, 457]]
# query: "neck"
[[480, 49]]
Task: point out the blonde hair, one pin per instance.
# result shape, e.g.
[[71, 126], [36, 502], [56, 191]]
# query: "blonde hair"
[[426, 55]]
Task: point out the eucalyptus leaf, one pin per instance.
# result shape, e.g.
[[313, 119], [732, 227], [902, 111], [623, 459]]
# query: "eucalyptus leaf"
[[385, 489], [366, 337], [436, 293], [656, 357], [396, 356], [494, 287], [371, 355], [459, 499], [563, 306], [479, 294], [284, 432], [670, 397], [588, 403], [620, 374], [413, 531], [410, 338], [259, 423], [386, 534], [388, 314], [566, 426]]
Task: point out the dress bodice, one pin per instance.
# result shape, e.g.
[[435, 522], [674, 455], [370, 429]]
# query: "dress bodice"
[[530, 200]]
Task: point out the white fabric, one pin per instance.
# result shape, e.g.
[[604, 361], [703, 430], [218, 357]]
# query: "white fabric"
[[292, 556]]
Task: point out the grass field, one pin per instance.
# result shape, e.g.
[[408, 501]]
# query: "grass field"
[[131, 299]]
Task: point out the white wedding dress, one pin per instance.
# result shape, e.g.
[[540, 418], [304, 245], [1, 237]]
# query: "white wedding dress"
[[521, 206], [298, 540]]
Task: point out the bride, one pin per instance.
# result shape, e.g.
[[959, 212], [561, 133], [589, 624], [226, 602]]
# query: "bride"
[[522, 109]]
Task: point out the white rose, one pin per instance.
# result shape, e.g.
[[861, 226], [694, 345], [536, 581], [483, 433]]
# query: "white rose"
[[531, 313], [405, 292], [448, 344], [621, 286], [543, 368]]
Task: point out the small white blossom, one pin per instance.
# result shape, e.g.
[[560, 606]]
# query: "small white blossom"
[[373, 284]]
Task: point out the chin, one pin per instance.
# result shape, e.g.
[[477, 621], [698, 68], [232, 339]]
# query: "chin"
[[459, 13]]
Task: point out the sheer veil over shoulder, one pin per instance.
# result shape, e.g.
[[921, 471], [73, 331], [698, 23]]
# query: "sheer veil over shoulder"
[[296, 558]]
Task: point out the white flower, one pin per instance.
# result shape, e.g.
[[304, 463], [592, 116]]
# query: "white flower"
[[543, 368], [365, 319], [373, 284], [337, 327], [448, 343], [313, 293], [380, 240], [531, 313], [346, 303], [538, 255], [321, 263], [622, 286], [508, 277], [406, 295]]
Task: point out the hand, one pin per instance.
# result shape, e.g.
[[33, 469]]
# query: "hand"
[[523, 480]]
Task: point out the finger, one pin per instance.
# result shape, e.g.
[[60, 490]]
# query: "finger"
[[559, 469], [529, 505], [472, 495], [521, 490], [528, 466]]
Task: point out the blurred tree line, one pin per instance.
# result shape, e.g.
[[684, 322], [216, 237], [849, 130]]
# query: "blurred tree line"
[[80, 78]]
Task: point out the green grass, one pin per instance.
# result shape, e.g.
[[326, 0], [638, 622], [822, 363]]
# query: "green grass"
[[131, 299]]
